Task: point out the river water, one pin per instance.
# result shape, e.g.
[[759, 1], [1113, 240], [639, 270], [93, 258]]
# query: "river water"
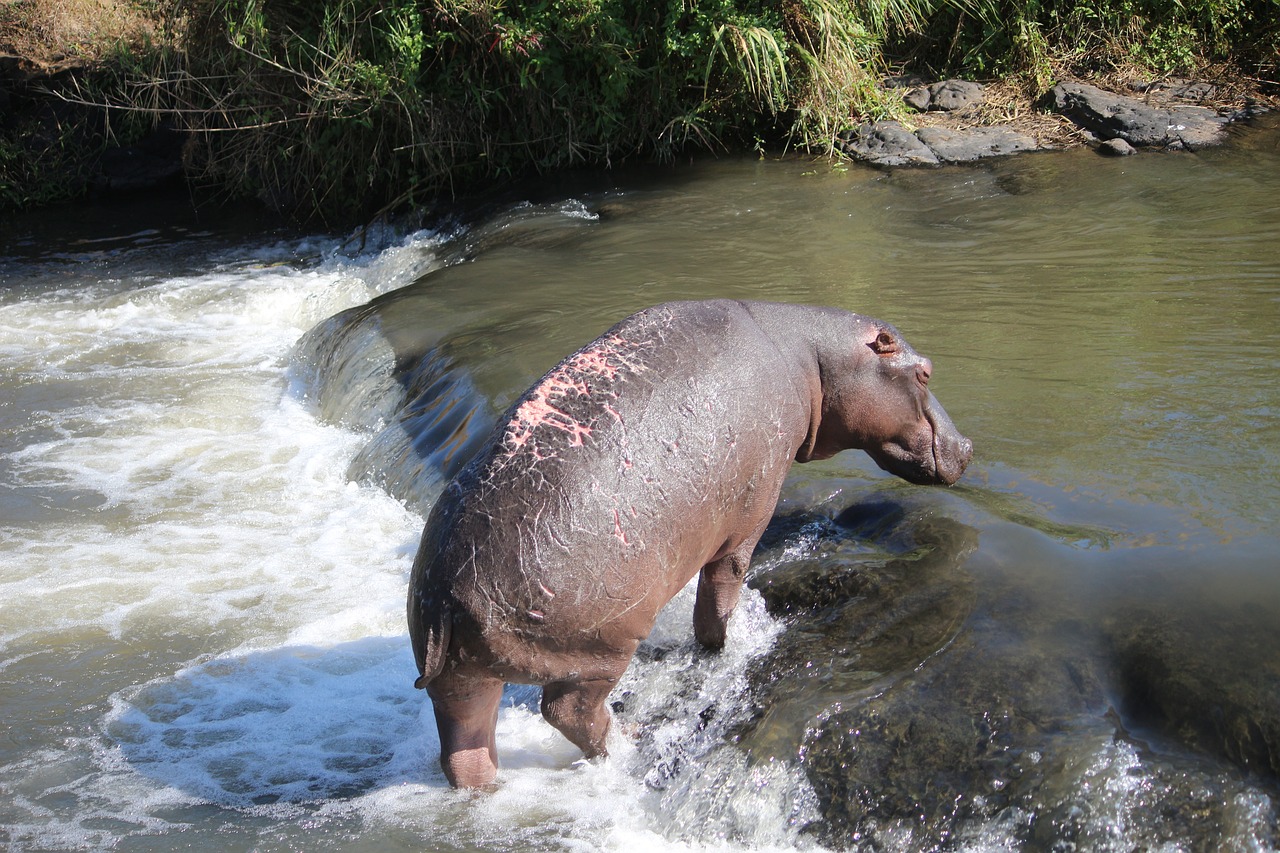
[[218, 442]]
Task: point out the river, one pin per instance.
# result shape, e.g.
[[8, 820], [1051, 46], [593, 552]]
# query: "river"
[[219, 439]]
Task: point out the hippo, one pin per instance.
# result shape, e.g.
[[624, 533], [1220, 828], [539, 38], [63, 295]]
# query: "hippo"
[[654, 453]]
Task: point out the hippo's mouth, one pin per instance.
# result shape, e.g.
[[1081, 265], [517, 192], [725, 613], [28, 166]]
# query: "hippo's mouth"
[[920, 468], [950, 458], [937, 456], [951, 450]]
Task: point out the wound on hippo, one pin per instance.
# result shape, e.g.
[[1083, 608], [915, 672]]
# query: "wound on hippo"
[[629, 468]]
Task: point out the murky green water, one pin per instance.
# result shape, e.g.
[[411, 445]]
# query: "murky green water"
[[201, 629]]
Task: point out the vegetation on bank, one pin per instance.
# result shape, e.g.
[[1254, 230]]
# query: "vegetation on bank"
[[339, 108]]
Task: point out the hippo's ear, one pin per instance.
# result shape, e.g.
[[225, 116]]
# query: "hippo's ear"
[[884, 344]]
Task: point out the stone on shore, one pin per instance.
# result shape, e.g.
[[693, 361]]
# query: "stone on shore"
[[888, 143], [948, 96], [1116, 148], [1163, 117], [963, 146], [1112, 116]]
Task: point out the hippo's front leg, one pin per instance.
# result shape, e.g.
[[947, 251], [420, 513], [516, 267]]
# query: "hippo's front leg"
[[719, 585]]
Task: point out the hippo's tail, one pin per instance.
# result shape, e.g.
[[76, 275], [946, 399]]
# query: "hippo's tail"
[[430, 629]]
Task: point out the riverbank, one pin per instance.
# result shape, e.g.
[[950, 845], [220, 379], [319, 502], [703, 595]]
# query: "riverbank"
[[335, 115]]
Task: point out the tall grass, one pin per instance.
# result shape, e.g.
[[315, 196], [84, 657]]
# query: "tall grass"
[[842, 65]]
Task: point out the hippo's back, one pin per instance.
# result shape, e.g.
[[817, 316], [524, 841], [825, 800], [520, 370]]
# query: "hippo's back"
[[608, 484]]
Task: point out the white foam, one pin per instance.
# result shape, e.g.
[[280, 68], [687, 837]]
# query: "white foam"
[[215, 487]]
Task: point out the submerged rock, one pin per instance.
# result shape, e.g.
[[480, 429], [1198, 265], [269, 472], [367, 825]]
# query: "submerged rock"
[[931, 710], [1215, 691], [961, 739]]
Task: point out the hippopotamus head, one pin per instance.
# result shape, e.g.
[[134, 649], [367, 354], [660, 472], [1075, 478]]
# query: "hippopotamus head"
[[876, 398]]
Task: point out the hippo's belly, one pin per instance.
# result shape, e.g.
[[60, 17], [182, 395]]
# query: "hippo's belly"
[[577, 558]]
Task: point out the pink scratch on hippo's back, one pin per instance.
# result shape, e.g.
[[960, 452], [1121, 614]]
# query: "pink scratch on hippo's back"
[[570, 380]]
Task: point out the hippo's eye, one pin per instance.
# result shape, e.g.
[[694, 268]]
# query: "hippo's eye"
[[884, 344]]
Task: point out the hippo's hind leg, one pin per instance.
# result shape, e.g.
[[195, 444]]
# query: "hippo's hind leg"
[[577, 708], [466, 716]]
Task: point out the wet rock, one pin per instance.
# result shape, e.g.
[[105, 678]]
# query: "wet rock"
[[1213, 688], [1101, 792], [961, 146], [930, 709], [872, 552], [868, 597], [887, 143], [948, 95], [1112, 116], [1116, 148], [961, 739]]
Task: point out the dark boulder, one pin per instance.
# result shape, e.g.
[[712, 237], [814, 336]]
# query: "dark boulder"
[[948, 95], [886, 143], [1112, 116], [962, 146]]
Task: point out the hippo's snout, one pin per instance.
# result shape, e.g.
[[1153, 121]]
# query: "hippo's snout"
[[951, 450], [951, 458], [935, 454]]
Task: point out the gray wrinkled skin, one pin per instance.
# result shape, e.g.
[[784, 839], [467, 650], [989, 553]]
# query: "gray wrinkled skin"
[[653, 453]]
